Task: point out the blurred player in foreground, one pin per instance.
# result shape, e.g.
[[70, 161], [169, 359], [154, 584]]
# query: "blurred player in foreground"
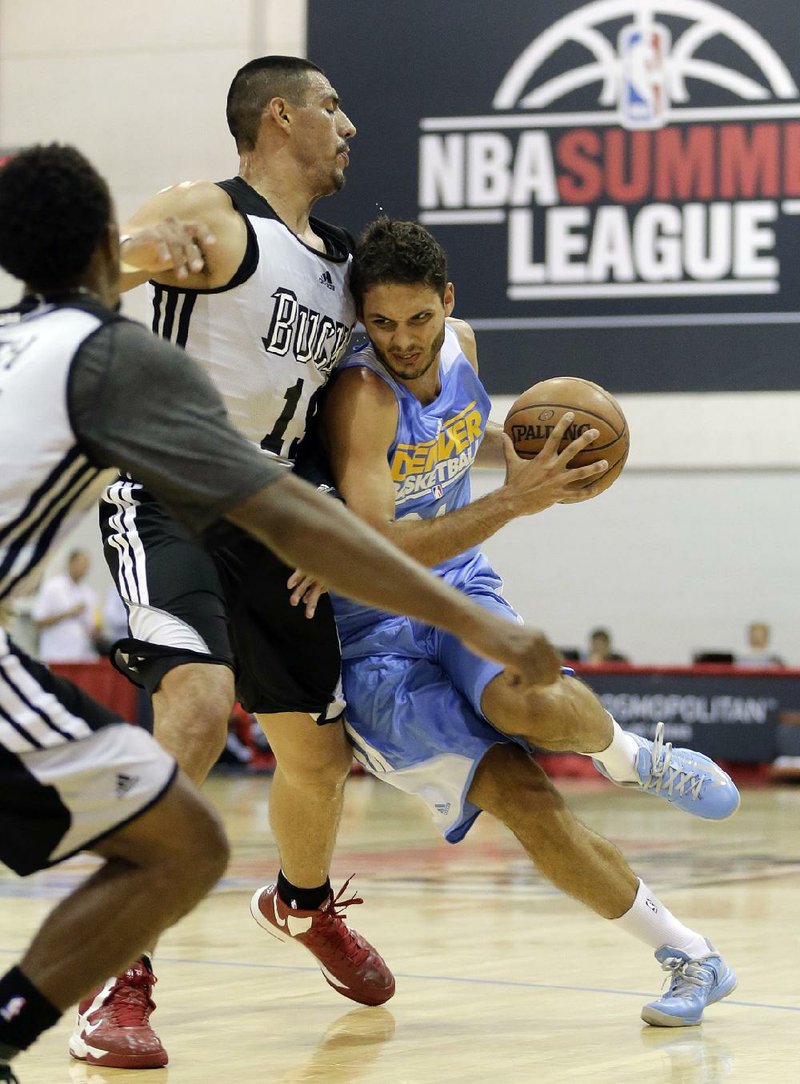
[[77, 386], [404, 421]]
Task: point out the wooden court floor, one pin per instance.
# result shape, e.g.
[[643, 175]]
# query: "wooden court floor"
[[499, 978]]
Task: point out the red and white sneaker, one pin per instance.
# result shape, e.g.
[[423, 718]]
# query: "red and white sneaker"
[[347, 961], [113, 1027]]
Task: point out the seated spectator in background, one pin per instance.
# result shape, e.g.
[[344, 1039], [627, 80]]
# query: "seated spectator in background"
[[65, 613], [601, 649], [758, 653]]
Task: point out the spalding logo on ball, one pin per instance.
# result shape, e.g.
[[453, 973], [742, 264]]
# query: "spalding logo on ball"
[[535, 413]]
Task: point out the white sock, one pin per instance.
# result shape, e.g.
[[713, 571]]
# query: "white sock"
[[650, 921], [619, 757]]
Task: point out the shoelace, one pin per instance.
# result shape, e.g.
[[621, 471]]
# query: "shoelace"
[[334, 930], [129, 1003], [673, 780], [687, 976]]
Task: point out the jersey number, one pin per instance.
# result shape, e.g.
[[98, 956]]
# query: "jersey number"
[[273, 441]]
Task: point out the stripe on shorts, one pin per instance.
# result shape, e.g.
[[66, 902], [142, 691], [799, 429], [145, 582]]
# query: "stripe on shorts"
[[31, 717], [131, 557]]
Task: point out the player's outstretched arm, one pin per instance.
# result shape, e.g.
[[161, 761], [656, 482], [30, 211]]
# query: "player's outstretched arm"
[[313, 532], [187, 236]]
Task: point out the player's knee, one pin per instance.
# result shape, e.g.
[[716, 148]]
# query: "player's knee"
[[336, 766], [211, 850], [323, 765], [555, 715], [197, 856], [195, 701]]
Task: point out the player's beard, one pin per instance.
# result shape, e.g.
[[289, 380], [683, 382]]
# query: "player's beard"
[[330, 181], [423, 368]]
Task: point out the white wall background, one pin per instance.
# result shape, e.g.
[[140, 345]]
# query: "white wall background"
[[698, 536]]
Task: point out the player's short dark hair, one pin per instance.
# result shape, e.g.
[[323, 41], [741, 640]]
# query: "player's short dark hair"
[[54, 209], [256, 84], [390, 250]]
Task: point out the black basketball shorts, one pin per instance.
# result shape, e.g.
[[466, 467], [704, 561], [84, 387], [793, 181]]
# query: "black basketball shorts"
[[71, 771], [227, 604]]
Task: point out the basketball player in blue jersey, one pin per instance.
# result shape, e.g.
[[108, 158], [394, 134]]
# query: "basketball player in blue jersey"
[[405, 420], [256, 289], [75, 398]]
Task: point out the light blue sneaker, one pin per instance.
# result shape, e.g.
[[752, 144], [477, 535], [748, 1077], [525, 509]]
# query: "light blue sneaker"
[[689, 780], [693, 985]]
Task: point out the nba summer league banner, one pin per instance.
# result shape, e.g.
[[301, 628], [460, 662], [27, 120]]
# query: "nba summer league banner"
[[617, 182]]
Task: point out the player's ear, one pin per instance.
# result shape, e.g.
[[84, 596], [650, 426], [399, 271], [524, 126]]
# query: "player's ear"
[[276, 110], [449, 298]]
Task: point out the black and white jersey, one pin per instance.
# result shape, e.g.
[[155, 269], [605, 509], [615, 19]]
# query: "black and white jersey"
[[76, 399], [270, 338], [47, 478]]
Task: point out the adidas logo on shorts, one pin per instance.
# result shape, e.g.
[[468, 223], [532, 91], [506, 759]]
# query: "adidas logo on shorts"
[[125, 783]]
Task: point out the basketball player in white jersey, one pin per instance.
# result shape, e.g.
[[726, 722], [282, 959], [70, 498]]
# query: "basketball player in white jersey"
[[257, 292], [75, 398], [404, 421]]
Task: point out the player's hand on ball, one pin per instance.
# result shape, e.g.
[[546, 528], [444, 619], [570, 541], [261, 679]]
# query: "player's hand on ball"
[[169, 245], [547, 479], [534, 414]]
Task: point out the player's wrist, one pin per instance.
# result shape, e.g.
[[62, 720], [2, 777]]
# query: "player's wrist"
[[505, 505], [124, 266]]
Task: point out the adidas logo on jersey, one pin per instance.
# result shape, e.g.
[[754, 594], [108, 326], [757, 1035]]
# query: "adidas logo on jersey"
[[125, 783], [326, 280]]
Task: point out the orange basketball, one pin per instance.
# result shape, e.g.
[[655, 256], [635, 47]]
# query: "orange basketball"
[[534, 414]]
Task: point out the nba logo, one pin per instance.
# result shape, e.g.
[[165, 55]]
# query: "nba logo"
[[643, 51]]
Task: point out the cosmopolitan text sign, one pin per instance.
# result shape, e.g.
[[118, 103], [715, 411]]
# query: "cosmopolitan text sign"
[[730, 715]]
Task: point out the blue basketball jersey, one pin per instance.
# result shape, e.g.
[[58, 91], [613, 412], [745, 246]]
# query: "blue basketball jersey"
[[435, 446]]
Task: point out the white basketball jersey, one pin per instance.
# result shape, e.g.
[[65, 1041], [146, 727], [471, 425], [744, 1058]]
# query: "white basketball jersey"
[[270, 338], [46, 481]]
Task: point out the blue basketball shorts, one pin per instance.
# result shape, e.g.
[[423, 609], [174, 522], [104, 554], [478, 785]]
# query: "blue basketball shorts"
[[414, 704]]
